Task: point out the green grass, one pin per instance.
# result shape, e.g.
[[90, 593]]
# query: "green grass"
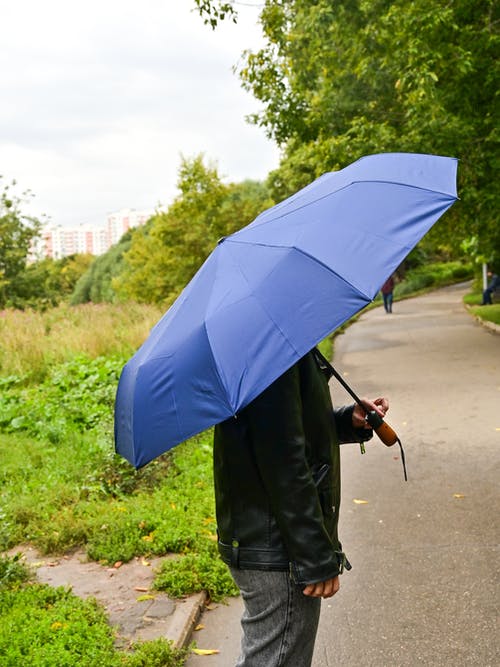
[[42, 626], [488, 313]]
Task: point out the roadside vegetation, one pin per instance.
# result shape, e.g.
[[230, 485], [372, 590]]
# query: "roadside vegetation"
[[45, 626], [67, 326]]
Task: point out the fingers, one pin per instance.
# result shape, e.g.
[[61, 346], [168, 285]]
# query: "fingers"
[[323, 589], [380, 405]]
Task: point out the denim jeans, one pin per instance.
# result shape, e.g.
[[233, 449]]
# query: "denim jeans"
[[279, 622], [388, 302]]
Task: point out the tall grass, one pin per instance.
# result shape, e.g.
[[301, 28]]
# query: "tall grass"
[[31, 342]]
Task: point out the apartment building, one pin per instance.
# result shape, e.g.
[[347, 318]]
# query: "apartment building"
[[57, 241]]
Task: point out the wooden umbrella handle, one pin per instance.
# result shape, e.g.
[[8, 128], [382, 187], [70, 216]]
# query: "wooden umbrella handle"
[[385, 432]]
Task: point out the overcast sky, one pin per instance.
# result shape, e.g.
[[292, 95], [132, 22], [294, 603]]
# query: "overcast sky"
[[99, 99]]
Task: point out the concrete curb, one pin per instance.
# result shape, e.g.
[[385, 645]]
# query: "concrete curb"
[[185, 618], [489, 325]]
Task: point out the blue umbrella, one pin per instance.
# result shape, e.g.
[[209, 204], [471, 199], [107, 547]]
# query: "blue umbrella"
[[270, 292]]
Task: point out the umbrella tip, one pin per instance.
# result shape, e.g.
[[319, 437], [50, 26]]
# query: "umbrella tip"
[[222, 238]]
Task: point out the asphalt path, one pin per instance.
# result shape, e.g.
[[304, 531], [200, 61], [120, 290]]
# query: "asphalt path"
[[424, 585]]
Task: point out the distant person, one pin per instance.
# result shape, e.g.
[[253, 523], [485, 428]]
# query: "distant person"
[[493, 285], [387, 290]]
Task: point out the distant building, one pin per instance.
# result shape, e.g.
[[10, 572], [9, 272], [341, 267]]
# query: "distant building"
[[57, 241], [120, 222]]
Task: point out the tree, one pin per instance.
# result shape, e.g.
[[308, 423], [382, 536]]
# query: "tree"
[[47, 282], [214, 11], [96, 283], [165, 255], [17, 231], [342, 79]]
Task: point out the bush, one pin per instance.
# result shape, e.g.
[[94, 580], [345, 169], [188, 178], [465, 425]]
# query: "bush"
[[433, 275]]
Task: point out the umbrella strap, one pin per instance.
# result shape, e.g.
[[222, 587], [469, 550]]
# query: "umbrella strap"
[[403, 460], [330, 371]]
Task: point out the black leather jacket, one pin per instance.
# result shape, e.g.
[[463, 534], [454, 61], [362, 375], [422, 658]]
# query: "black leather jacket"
[[277, 477]]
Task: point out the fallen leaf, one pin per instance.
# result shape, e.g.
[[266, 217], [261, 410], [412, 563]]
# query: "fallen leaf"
[[118, 564], [141, 589], [358, 501], [458, 495], [143, 598], [200, 626], [205, 651]]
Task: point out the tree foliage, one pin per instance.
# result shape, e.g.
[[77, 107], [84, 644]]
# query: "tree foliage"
[[95, 285], [166, 254], [343, 79], [47, 282], [17, 231], [214, 11]]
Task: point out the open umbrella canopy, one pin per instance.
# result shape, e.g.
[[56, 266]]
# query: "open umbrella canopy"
[[270, 292]]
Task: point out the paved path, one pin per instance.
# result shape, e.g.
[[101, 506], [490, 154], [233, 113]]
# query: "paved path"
[[424, 585]]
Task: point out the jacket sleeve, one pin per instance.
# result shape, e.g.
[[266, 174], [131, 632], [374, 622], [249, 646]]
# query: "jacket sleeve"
[[345, 429], [275, 421]]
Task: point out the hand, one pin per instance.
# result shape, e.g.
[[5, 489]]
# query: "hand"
[[323, 589], [380, 405]]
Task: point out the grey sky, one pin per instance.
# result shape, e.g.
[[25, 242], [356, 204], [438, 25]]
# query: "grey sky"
[[99, 99]]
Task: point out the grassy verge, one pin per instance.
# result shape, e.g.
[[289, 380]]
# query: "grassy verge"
[[489, 313], [42, 626]]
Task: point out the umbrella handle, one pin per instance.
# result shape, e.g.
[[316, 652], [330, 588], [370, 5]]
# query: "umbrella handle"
[[385, 432]]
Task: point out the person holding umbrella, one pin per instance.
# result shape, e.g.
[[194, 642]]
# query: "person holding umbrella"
[[277, 488]]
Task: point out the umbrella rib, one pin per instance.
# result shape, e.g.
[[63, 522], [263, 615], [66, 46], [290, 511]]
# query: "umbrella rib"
[[329, 194], [219, 378], [305, 254]]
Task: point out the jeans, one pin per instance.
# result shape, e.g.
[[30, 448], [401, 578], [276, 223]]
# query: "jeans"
[[388, 302], [279, 622]]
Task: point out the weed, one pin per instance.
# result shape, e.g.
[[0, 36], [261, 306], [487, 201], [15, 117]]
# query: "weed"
[[12, 572]]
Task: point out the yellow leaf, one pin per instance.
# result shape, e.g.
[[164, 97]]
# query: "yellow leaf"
[[56, 625], [358, 501], [143, 598], [458, 495], [200, 626], [205, 651]]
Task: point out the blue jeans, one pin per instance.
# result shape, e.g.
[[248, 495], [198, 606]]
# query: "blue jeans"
[[279, 622], [388, 302]]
